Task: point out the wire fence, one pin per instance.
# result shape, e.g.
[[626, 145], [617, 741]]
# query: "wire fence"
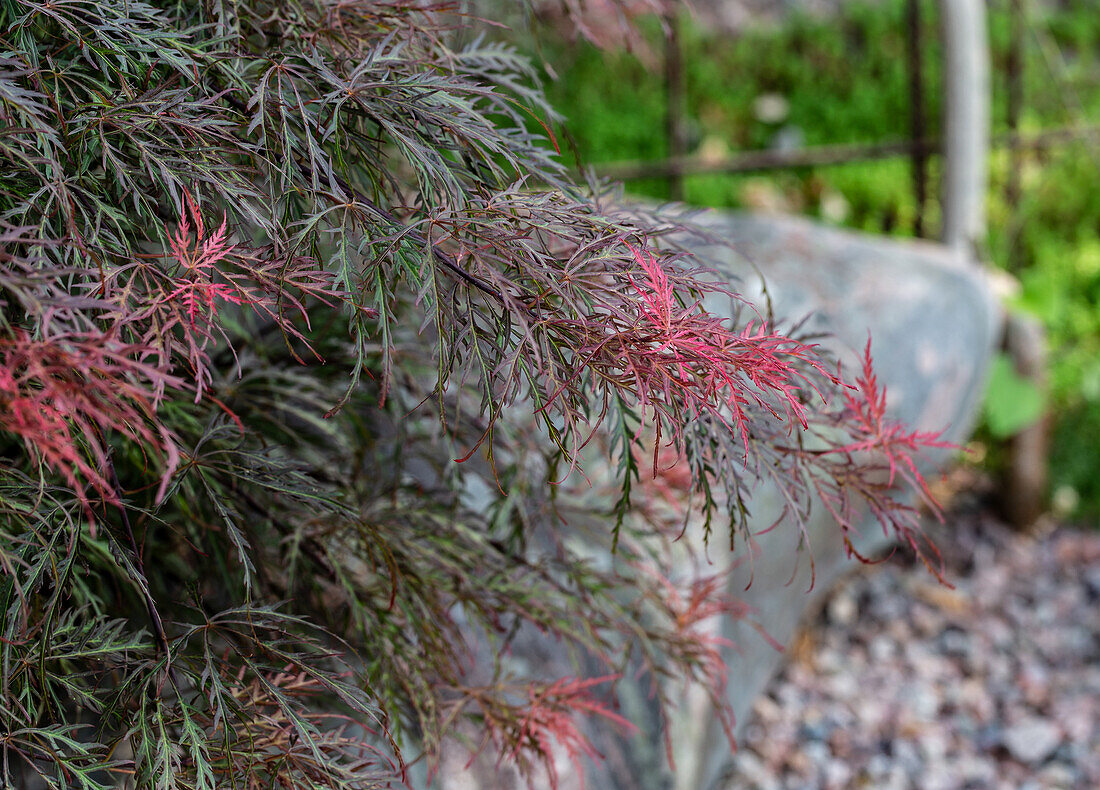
[[919, 147]]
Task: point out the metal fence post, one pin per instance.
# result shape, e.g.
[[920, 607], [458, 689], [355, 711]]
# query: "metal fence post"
[[915, 42], [675, 100], [966, 123]]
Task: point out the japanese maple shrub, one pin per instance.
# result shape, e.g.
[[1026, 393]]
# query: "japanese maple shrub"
[[279, 282]]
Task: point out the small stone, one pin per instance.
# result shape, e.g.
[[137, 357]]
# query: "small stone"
[[1092, 581], [897, 780], [815, 731], [1077, 717], [878, 766], [989, 737], [1032, 741], [965, 726], [907, 757], [800, 764], [999, 632], [790, 697], [881, 648], [933, 746], [771, 108], [921, 701], [756, 734], [926, 620], [844, 686], [898, 630], [753, 771], [829, 661], [976, 770], [837, 774], [840, 742], [817, 752], [1057, 777], [871, 713], [1034, 681], [955, 642], [767, 709], [999, 669], [1081, 642], [843, 608], [937, 776]]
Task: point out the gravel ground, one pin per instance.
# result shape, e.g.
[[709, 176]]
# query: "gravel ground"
[[904, 683]]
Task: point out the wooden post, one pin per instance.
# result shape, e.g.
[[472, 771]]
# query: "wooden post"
[[1027, 478], [675, 109], [1015, 79], [1023, 495], [917, 132]]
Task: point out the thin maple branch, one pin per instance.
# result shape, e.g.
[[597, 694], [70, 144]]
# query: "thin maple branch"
[[448, 261], [160, 636]]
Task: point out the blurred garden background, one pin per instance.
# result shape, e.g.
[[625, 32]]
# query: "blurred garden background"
[[306, 335], [812, 108], [829, 81]]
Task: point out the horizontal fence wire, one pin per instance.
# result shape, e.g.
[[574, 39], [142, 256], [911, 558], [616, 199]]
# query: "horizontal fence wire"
[[829, 155]]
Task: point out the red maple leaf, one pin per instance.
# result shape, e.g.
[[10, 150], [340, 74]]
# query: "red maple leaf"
[[195, 287]]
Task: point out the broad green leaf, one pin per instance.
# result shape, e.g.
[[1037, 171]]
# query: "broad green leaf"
[[1012, 403]]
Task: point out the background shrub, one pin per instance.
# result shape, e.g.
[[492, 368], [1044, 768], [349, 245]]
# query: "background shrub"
[[300, 317]]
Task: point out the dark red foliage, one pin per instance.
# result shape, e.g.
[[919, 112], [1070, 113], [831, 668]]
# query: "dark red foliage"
[[223, 223], [681, 363], [548, 724]]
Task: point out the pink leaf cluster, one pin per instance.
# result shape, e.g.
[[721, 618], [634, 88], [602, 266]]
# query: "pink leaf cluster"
[[883, 451], [531, 733], [696, 611], [682, 362], [65, 392], [63, 396], [208, 271], [876, 433], [551, 719], [196, 288]]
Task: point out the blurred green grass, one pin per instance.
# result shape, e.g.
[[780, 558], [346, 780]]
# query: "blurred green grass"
[[844, 80]]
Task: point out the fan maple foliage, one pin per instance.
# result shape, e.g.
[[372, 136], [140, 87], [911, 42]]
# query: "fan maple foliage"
[[265, 270]]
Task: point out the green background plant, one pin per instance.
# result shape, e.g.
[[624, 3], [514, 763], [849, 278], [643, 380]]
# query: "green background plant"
[[298, 322], [845, 80]]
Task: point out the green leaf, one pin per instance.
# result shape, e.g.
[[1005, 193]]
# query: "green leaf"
[[1012, 403]]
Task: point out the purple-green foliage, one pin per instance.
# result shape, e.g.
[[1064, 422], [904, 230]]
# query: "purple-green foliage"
[[268, 269]]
